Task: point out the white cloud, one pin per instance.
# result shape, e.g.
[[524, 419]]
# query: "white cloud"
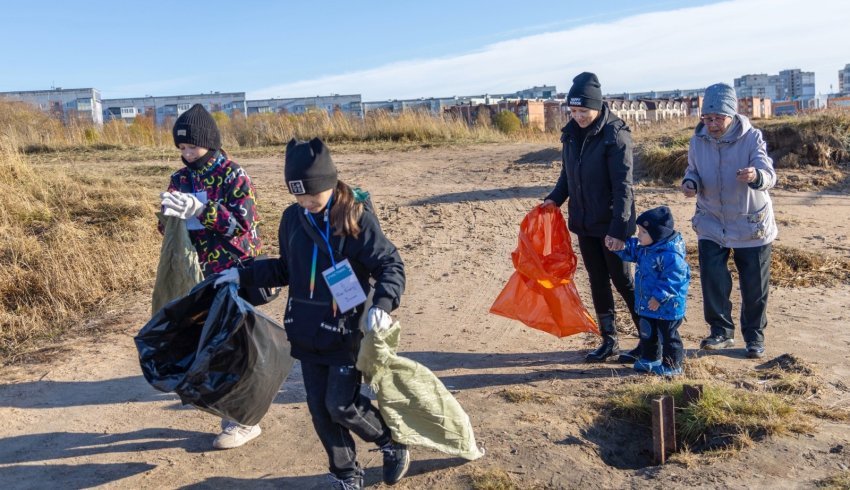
[[684, 48]]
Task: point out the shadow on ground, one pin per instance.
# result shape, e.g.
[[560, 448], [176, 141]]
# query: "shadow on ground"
[[69, 476], [538, 191], [311, 482], [58, 445]]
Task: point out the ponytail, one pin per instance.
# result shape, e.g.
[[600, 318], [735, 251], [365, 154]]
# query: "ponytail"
[[346, 211]]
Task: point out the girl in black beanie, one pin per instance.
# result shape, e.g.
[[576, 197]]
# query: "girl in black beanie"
[[216, 198], [332, 231]]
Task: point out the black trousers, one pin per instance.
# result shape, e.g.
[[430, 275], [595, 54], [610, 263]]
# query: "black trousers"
[[338, 408], [603, 268], [653, 332], [753, 265]]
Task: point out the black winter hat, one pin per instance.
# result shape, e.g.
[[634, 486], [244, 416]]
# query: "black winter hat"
[[308, 168], [585, 92], [658, 222], [197, 127]]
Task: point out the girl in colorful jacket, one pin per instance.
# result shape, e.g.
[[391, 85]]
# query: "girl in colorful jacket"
[[662, 277], [216, 198]]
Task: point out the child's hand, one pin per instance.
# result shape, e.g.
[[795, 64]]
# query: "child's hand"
[[653, 304]]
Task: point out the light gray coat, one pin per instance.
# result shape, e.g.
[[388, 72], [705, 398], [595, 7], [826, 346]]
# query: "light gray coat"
[[731, 213]]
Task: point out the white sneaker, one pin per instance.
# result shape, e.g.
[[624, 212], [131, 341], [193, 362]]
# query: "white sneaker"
[[234, 435]]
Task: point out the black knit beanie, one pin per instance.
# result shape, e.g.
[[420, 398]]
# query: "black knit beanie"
[[308, 168], [585, 92], [658, 222], [197, 127]]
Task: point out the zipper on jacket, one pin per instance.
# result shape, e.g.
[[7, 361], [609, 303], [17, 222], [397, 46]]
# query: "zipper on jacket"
[[720, 194], [580, 186]]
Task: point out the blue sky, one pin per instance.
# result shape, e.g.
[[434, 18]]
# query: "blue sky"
[[386, 49]]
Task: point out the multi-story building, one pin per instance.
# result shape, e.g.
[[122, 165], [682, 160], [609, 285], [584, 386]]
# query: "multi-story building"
[[799, 85], [657, 95], [545, 92], [755, 107], [760, 85], [844, 80], [348, 104], [66, 104], [789, 85], [435, 105], [166, 109]]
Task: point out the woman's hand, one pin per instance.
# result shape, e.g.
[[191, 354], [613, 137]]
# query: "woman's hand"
[[548, 203], [688, 189], [614, 244], [746, 175]]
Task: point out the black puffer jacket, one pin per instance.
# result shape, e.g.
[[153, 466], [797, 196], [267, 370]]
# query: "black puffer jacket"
[[317, 333], [597, 178]]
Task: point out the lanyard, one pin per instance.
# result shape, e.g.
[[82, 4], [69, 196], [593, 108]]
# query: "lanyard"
[[326, 238], [327, 233]]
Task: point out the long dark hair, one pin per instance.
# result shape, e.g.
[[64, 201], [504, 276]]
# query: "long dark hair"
[[346, 211]]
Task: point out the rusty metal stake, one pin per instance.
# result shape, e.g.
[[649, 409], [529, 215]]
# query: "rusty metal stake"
[[663, 428]]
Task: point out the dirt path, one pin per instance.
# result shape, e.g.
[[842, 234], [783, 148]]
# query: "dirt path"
[[89, 419]]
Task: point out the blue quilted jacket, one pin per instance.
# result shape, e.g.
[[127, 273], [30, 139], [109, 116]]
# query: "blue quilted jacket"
[[662, 273]]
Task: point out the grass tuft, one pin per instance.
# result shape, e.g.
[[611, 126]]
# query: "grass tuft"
[[723, 418], [839, 481], [523, 394], [492, 479]]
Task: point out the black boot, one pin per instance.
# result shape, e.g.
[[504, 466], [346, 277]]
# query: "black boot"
[[609, 345], [631, 356]]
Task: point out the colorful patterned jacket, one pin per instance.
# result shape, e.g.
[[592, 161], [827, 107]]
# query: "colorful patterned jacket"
[[227, 228]]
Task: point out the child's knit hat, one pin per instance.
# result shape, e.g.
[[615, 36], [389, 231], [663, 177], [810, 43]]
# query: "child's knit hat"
[[658, 222], [308, 168], [197, 127]]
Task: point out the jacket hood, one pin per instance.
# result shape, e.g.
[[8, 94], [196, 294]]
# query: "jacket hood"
[[740, 125], [674, 243]]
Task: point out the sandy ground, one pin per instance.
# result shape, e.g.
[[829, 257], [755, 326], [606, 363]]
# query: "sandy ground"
[[88, 418]]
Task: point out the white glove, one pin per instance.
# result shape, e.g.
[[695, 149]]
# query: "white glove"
[[227, 276], [378, 320], [181, 205]]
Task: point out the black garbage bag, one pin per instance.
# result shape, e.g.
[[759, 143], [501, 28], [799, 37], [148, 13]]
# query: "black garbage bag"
[[217, 352]]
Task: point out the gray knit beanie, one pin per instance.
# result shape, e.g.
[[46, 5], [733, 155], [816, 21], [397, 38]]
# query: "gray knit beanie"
[[720, 99]]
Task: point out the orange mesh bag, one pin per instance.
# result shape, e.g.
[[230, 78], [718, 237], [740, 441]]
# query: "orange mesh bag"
[[541, 293]]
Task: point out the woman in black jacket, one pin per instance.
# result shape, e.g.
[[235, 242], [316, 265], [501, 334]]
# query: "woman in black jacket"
[[331, 239], [596, 178]]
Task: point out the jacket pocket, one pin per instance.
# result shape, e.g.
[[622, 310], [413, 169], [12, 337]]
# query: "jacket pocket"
[[310, 325], [754, 225]]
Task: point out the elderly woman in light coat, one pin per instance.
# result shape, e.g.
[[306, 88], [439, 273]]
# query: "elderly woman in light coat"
[[730, 173]]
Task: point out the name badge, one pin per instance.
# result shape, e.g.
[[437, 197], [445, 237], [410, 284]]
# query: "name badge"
[[194, 223], [344, 286]]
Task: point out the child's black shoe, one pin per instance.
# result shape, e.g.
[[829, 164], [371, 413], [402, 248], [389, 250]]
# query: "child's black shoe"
[[396, 462]]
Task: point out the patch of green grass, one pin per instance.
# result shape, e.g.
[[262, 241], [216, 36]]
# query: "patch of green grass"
[[721, 418]]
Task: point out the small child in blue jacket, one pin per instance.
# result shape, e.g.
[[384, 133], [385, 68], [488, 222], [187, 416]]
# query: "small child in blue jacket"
[[662, 277]]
